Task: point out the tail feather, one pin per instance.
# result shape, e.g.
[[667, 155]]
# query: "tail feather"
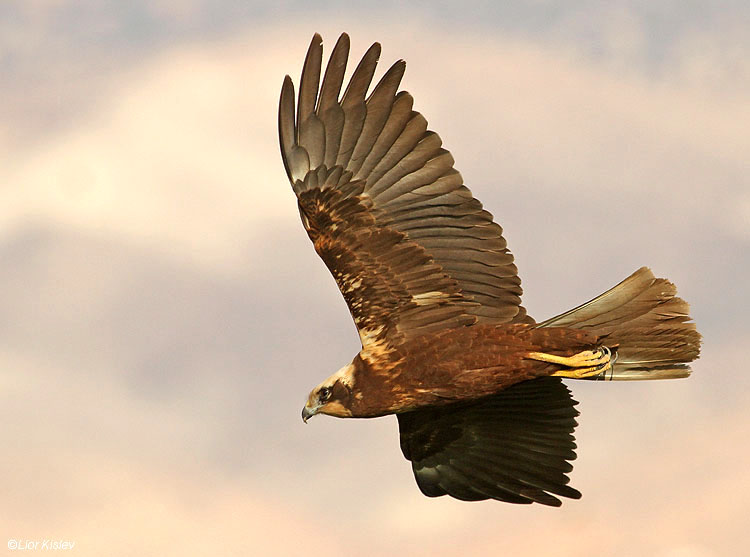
[[648, 324]]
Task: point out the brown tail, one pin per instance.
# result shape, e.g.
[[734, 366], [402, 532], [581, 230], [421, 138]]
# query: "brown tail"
[[647, 322]]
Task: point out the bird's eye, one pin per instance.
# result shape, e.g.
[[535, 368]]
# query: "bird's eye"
[[324, 394]]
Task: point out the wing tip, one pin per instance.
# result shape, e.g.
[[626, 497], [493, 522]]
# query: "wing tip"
[[286, 122], [317, 40]]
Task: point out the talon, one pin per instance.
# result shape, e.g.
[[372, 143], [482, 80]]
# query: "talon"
[[580, 366]]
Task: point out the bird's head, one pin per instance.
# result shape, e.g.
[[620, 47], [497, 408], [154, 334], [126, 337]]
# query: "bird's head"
[[332, 396]]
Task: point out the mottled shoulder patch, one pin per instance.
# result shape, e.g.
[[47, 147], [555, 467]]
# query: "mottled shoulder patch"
[[391, 285]]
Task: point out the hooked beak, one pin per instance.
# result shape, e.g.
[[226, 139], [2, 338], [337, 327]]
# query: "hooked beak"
[[308, 413]]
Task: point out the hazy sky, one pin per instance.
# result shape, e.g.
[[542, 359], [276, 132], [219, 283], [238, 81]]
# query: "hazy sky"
[[163, 315]]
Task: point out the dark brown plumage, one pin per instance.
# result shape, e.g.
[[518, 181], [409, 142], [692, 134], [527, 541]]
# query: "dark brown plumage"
[[435, 296]]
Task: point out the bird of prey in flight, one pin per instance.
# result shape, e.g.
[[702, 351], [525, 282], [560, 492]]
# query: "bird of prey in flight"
[[475, 382]]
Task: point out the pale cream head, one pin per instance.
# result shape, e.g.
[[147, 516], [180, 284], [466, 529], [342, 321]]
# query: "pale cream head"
[[332, 396]]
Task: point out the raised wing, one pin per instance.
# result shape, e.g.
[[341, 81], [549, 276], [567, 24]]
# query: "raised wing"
[[408, 245], [513, 446]]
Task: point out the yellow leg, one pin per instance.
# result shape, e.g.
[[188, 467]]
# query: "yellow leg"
[[584, 364]]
